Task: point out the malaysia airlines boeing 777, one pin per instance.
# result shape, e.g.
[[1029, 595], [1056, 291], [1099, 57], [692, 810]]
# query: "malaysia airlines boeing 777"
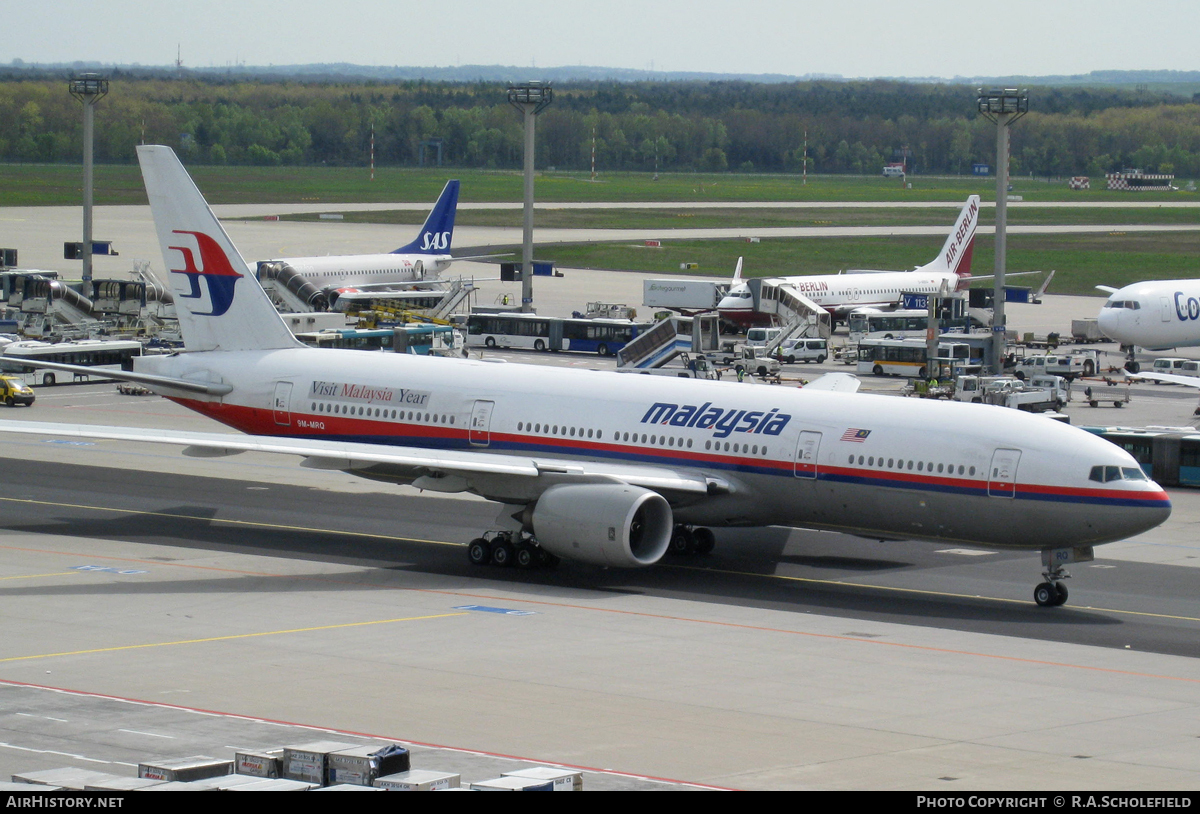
[[613, 469], [839, 294]]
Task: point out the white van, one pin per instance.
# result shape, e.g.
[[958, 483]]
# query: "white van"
[[893, 171], [1170, 364], [757, 337], [803, 350]]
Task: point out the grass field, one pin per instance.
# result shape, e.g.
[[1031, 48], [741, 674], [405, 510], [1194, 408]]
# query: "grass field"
[[1081, 261], [61, 185]]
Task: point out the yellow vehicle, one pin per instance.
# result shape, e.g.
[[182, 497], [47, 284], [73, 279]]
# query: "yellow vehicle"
[[13, 391]]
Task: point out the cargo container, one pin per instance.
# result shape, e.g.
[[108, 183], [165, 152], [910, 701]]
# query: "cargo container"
[[419, 780], [185, 769], [563, 779]]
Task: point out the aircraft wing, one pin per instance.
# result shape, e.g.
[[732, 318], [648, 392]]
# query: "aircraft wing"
[[975, 277], [836, 382], [1165, 378], [457, 257], [411, 461], [1107, 288]]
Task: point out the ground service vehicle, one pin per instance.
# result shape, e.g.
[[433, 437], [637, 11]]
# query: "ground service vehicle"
[[803, 350], [1048, 393], [750, 359], [1070, 367], [13, 391]]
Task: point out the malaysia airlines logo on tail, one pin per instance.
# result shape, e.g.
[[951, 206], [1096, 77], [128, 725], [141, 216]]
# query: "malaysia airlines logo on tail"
[[219, 276]]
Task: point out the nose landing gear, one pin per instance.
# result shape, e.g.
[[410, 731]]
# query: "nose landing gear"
[[1052, 592]]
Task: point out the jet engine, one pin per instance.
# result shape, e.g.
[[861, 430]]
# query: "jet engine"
[[603, 523]]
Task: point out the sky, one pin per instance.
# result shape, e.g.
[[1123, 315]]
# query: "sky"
[[851, 38]]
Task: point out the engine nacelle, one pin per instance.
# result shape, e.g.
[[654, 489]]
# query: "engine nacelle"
[[603, 523]]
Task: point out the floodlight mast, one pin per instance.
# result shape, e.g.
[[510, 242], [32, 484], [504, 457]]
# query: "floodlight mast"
[[1002, 106], [531, 98], [88, 88]]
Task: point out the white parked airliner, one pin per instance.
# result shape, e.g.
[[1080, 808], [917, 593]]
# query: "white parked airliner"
[[842, 293], [1155, 315], [614, 469], [362, 275]]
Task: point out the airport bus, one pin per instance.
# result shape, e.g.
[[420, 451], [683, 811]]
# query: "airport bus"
[[871, 323], [418, 339], [103, 354], [908, 357], [602, 336], [1169, 456]]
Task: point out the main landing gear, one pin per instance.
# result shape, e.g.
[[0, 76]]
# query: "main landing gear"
[[691, 540], [508, 548], [1052, 592]]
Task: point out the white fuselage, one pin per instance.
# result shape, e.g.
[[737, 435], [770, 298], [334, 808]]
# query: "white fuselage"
[[870, 465], [348, 271], [839, 293], [1155, 315]]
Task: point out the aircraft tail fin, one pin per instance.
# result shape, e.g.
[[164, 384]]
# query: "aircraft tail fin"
[[438, 231], [955, 256], [218, 300], [737, 272]]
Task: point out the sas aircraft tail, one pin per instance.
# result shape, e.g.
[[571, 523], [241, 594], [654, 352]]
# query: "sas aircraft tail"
[[218, 300], [436, 234], [955, 256]]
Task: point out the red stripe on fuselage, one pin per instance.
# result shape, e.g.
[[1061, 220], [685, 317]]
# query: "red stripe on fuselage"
[[257, 421]]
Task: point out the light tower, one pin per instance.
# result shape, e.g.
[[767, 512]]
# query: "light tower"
[[1003, 107], [88, 88], [531, 98]]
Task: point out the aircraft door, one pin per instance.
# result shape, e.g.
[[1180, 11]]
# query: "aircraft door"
[[1168, 309], [479, 431], [806, 454], [1002, 479], [280, 406]]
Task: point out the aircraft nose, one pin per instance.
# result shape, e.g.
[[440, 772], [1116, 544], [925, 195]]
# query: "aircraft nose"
[[1109, 322], [1153, 513]]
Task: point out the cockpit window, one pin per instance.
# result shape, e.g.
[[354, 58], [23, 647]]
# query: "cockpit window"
[[1106, 474], [1132, 305]]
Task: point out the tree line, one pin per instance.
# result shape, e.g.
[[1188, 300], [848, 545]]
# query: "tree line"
[[851, 127]]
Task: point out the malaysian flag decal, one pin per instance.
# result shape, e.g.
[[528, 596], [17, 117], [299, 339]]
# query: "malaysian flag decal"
[[856, 435]]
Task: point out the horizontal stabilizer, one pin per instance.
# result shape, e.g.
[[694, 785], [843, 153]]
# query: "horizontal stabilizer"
[[148, 379]]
